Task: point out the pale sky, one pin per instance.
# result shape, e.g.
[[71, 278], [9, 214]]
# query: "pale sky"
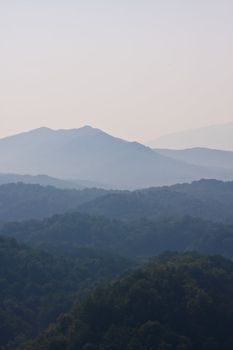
[[134, 68]]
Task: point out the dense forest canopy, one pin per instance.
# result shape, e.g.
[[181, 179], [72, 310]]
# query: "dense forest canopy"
[[50, 262], [142, 238], [37, 287], [206, 199], [19, 201], [176, 302]]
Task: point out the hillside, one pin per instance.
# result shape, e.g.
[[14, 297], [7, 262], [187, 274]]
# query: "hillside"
[[36, 287], [206, 199], [22, 201], [140, 239], [215, 136], [95, 156], [176, 302]]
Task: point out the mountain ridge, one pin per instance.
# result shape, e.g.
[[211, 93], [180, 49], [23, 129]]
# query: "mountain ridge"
[[206, 199], [45, 180], [201, 156], [91, 154], [217, 136]]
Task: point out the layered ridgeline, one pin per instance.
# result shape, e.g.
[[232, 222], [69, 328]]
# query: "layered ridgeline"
[[201, 157], [22, 201], [206, 199], [95, 156], [215, 137], [45, 180], [36, 287], [177, 302], [66, 234]]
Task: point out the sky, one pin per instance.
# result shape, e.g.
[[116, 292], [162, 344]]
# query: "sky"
[[137, 69]]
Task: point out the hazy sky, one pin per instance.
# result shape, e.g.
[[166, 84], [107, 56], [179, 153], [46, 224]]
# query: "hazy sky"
[[135, 68]]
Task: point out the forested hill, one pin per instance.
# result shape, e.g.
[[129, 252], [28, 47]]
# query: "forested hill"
[[143, 238], [36, 287], [206, 199], [177, 302], [19, 201]]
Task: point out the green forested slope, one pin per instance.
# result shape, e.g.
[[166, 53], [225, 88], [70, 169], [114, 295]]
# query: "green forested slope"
[[36, 287], [143, 238], [206, 199], [19, 201], [178, 302]]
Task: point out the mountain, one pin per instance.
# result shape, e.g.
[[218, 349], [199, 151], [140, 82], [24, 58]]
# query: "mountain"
[[204, 157], [215, 136], [176, 302], [95, 156], [45, 180]]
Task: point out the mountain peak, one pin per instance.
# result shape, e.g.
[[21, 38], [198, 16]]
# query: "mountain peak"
[[85, 130], [89, 130], [87, 127], [41, 130], [45, 129]]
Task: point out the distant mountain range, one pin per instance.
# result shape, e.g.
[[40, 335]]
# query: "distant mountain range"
[[45, 180], [100, 159], [215, 136], [204, 157]]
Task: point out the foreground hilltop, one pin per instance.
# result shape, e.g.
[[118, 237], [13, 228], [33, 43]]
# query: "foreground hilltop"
[[36, 287], [91, 154], [177, 302]]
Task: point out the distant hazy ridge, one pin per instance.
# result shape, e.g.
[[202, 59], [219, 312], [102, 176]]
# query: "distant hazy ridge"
[[98, 158]]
